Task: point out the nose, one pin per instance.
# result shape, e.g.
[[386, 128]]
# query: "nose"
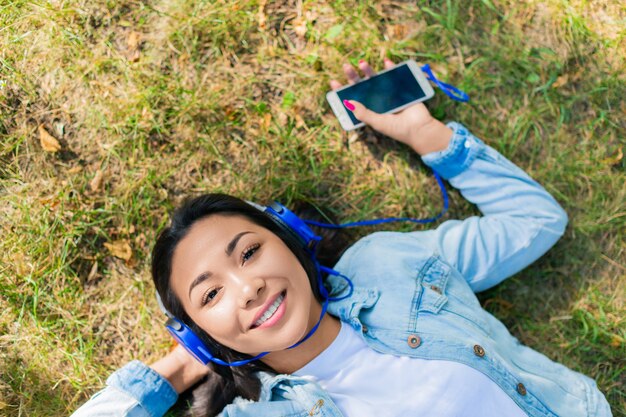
[[251, 289]]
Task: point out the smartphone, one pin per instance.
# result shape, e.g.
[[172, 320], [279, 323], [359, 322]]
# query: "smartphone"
[[388, 91]]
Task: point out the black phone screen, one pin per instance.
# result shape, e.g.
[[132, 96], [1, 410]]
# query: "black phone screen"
[[384, 92]]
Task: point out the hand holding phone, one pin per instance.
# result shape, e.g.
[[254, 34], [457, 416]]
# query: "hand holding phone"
[[412, 124]]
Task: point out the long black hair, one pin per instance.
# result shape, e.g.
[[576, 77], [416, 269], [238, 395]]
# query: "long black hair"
[[225, 383]]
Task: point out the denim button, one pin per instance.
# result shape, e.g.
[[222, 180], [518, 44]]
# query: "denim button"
[[521, 389], [414, 341], [468, 143], [479, 351], [365, 329]]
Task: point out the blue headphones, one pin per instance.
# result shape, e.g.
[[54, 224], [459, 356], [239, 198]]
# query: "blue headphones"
[[300, 230], [297, 228]]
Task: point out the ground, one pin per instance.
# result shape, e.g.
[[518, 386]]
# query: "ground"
[[112, 112]]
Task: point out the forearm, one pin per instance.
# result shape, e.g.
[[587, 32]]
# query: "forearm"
[[520, 221], [492, 182], [132, 391]]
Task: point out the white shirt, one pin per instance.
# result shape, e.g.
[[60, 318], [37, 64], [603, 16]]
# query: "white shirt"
[[363, 382]]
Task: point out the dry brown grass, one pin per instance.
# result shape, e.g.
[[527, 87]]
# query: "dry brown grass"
[[155, 101]]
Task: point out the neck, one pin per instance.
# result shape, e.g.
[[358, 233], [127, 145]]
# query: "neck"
[[290, 360]]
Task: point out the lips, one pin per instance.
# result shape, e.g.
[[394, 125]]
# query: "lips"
[[270, 313]]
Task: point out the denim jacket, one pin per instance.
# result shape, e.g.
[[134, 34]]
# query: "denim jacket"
[[414, 295]]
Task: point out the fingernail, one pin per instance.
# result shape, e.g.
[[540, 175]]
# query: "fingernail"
[[361, 61], [349, 105]]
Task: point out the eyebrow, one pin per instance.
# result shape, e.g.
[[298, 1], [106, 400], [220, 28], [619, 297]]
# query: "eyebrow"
[[229, 251]]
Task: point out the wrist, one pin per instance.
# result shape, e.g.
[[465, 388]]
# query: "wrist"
[[180, 369], [433, 136]]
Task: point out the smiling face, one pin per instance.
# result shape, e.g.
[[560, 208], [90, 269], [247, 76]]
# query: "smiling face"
[[242, 285]]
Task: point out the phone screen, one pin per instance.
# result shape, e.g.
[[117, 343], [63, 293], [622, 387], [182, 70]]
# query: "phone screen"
[[384, 92]]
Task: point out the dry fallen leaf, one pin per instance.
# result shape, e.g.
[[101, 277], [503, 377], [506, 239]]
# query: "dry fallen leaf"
[[396, 31], [96, 182], [267, 120], [261, 15], [93, 271], [282, 119], [133, 43], [19, 263], [616, 341], [48, 142], [299, 26], [120, 249], [300, 121], [560, 81], [615, 159]]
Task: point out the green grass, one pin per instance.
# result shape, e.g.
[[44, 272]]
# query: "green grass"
[[227, 96]]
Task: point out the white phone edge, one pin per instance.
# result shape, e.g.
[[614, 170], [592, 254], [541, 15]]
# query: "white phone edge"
[[342, 113]]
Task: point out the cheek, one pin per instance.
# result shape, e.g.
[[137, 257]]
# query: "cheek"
[[217, 323]]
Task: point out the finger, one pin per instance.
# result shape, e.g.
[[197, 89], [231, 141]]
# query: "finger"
[[367, 70], [388, 63], [381, 122], [335, 85], [351, 73]]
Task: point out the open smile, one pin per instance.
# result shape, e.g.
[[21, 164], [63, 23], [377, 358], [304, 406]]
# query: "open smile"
[[271, 313]]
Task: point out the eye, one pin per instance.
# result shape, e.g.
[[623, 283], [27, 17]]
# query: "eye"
[[209, 295], [247, 254]]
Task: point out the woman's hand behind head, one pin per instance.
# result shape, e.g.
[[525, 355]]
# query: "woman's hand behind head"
[[181, 369]]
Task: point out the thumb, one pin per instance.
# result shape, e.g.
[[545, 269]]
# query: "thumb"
[[377, 121]]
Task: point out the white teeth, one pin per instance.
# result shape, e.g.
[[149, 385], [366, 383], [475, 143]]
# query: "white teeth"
[[270, 311]]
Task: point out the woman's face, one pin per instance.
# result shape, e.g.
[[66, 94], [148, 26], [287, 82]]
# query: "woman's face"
[[242, 285]]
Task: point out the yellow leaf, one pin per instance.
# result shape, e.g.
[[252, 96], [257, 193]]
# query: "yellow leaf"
[[267, 120], [134, 38], [396, 31], [120, 249], [616, 341], [48, 142], [96, 182], [614, 160], [299, 26], [133, 43], [261, 15], [560, 81]]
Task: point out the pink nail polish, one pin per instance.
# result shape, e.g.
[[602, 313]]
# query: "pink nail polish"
[[349, 105], [361, 61]]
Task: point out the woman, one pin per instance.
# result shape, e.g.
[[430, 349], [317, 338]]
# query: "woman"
[[409, 338]]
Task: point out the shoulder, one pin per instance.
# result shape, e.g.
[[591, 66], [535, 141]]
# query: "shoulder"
[[380, 259], [386, 248]]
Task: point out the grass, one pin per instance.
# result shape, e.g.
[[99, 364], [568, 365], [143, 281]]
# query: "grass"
[[166, 99]]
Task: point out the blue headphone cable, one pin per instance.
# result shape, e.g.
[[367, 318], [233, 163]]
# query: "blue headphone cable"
[[372, 222]]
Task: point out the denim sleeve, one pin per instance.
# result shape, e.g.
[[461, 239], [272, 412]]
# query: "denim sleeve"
[[135, 390], [520, 221]]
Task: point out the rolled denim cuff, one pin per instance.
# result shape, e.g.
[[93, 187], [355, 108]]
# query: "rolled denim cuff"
[[153, 392], [458, 156]]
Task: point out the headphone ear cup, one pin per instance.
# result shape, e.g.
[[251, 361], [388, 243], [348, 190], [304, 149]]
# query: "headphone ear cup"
[[294, 225], [189, 340]]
